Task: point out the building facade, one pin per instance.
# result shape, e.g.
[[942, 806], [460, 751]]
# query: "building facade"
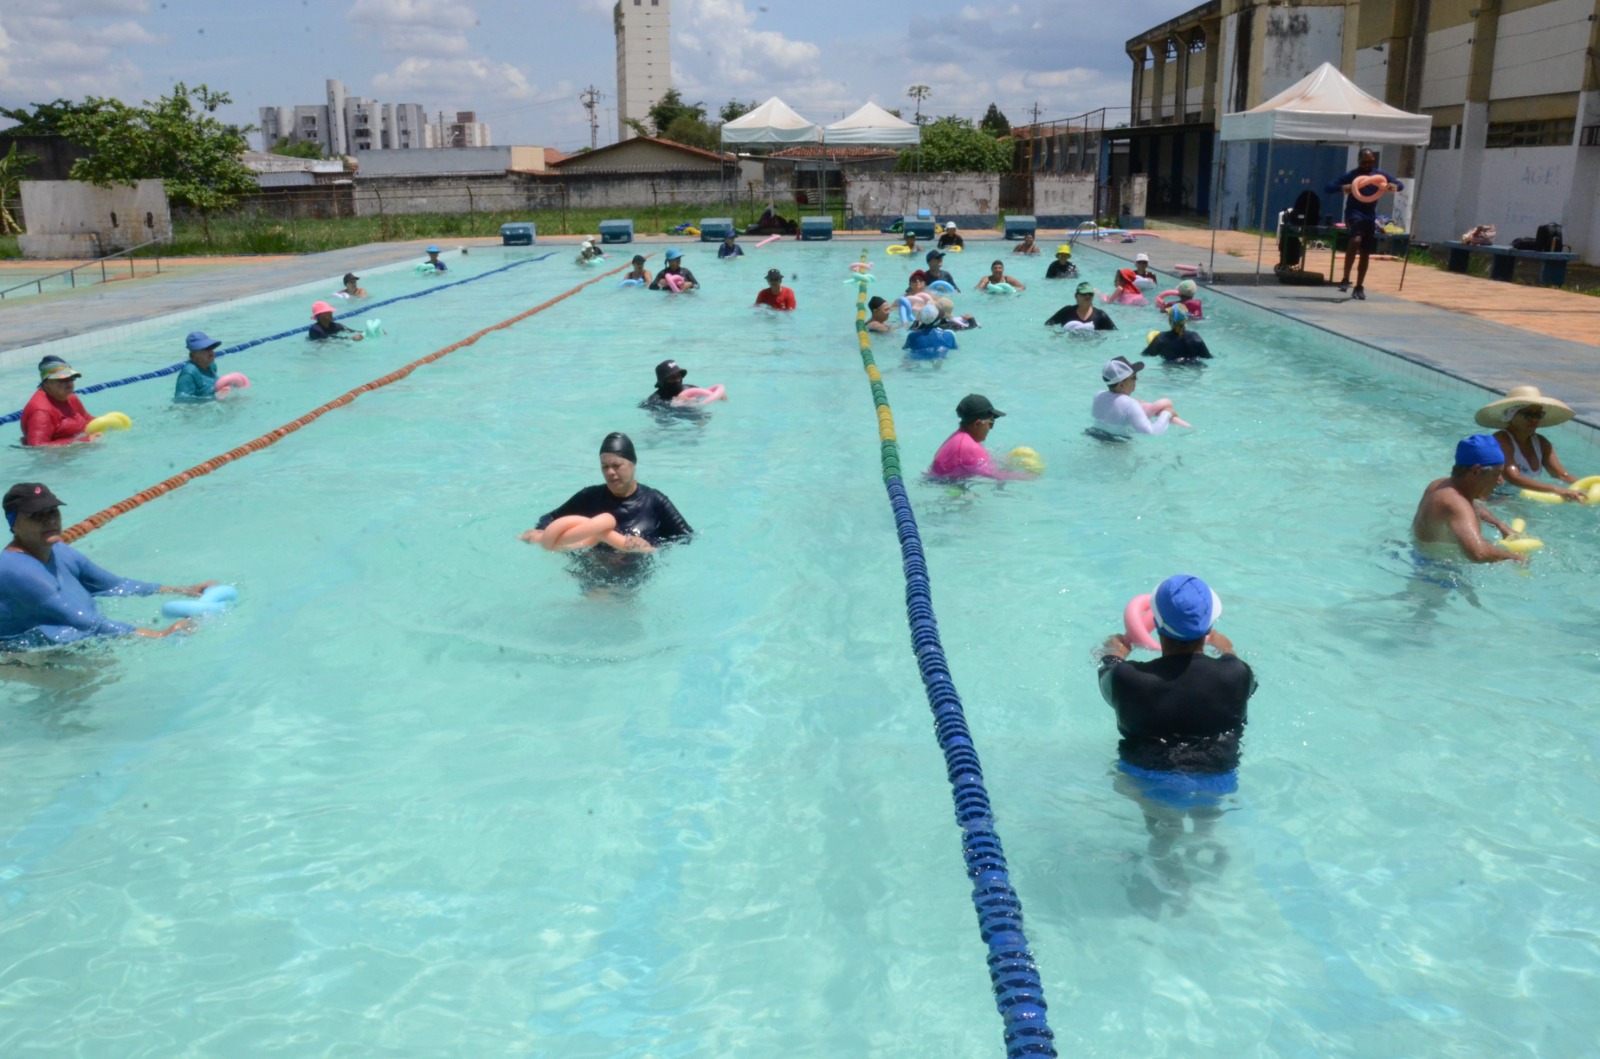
[[1513, 87], [644, 58], [346, 124], [465, 131]]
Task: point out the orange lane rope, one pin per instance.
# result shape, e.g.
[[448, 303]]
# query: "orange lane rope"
[[95, 521]]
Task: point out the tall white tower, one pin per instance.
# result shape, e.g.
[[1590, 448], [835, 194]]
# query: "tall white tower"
[[644, 59]]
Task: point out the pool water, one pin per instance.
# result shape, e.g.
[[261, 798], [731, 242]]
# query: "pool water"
[[418, 794]]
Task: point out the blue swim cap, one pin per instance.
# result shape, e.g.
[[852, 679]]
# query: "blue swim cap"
[[1185, 608], [673, 253], [433, 250], [1480, 450], [1179, 315]]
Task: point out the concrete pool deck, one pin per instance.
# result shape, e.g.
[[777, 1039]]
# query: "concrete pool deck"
[[1479, 332]]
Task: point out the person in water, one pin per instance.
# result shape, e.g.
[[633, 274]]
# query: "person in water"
[[1360, 219], [730, 247], [644, 516], [54, 415], [1143, 278], [324, 326], [1446, 525], [1062, 267], [669, 384], [1026, 246], [588, 252], [1185, 294], [47, 588], [997, 274], [197, 380], [962, 455], [1178, 345], [1181, 718], [1117, 411], [879, 321], [775, 295], [935, 270], [1084, 315], [674, 267], [1515, 420], [639, 272], [951, 237], [352, 287], [433, 259], [911, 243]]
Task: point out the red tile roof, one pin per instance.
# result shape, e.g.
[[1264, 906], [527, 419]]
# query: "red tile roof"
[[835, 152]]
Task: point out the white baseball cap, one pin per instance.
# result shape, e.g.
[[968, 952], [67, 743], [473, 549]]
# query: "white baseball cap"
[[1141, 257]]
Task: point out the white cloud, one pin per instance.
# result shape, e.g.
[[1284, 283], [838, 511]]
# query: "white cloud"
[[70, 48], [415, 27], [716, 41], [476, 83]]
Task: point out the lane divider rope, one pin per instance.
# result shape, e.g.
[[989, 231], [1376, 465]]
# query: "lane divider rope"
[[1018, 991], [95, 521], [173, 369]]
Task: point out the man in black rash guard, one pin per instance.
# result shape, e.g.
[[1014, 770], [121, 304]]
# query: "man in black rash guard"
[[936, 271], [674, 267], [669, 384], [640, 512], [1179, 345], [1181, 718], [1083, 314]]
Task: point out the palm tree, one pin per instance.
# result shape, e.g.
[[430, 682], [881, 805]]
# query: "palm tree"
[[919, 93]]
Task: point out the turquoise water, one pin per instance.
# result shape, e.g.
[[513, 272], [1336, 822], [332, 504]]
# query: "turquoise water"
[[417, 794]]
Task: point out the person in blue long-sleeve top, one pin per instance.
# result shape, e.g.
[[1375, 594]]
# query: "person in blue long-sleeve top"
[[47, 588], [1360, 218], [197, 381]]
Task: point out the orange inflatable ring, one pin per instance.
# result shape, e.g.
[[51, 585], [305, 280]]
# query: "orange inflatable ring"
[[1369, 187], [572, 532]]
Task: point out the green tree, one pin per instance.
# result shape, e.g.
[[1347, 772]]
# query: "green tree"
[[46, 119], [954, 145], [177, 139], [12, 169], [735, 108], [919, 93], [670, 107], [994, 123], [297, 149], [692, 131]]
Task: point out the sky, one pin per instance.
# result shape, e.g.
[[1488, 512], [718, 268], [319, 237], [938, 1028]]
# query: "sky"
[[521, 64]]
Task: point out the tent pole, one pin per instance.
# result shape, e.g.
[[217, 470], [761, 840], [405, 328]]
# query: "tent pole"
[[1261, 237], [1416, 199], [1219, 170]]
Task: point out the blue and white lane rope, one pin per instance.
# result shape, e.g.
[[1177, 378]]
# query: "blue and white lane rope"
[[1018, 992], [173, 369]]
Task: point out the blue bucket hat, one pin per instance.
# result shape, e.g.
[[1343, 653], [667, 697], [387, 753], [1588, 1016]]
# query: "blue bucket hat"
[[433, 250], [199, 340], [1480, 450], [1185, 608], [673, 253]]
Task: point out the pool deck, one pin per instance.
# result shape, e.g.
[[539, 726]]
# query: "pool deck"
[[1477, 331]]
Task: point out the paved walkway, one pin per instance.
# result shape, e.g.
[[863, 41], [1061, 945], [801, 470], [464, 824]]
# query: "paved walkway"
[[1492, 335]]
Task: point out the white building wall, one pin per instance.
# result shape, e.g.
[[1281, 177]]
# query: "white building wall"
[[1541, 49], [1299, 39], [644, 58], [1444, 78], [337, 142], [1372, 70]]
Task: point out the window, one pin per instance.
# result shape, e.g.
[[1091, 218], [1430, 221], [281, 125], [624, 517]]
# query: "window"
[[1554, 132], [1197, 42], [1172, 50], [1439, 138], [1591, 136]]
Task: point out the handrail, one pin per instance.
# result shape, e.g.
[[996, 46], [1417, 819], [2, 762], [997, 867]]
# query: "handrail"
[[101, 261]]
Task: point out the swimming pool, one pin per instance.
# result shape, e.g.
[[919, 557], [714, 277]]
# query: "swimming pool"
[[418, 794]]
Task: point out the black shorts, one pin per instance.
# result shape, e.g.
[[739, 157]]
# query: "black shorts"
[[1366, 228]]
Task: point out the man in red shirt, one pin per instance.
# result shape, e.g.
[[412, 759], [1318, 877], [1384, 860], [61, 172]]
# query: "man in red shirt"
[[776, 296], [55, 415]]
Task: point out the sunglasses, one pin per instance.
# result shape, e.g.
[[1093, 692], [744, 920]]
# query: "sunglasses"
[[1531, 413]]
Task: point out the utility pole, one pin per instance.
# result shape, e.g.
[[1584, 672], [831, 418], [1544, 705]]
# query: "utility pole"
[[1036, 112], [590, 99]]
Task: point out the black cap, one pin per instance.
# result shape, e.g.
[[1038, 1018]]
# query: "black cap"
[[30, 498], [773, 273], [933, 254], [638, 259], [667, 369], [977, 406], [351, 277], [619, 444], [875, 301]]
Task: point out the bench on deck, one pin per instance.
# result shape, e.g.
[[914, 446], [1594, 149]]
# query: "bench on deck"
[[1503, 261]]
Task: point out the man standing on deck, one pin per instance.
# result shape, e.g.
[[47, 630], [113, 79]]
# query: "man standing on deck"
[[1360, 218]]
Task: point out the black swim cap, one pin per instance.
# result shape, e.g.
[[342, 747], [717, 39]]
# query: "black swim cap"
[[874, 302], [619, 444]]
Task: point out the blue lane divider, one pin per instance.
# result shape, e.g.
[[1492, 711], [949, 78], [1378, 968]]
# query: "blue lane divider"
[[1018, 991], [173, 369]]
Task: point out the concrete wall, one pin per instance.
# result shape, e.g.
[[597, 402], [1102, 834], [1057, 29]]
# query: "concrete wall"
[[969, 199], [1539, 50], [665, 190], [441, 194], [1063, 201], [1444, 77], [455, 161], [68, 218], [637, 154], [469, 194], [1298, 40]]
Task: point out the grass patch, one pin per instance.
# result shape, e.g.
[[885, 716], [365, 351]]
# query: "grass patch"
[[262, 234]]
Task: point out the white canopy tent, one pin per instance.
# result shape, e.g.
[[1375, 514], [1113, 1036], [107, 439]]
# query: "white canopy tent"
[[1325, 106], [772, 122], [872, 125]]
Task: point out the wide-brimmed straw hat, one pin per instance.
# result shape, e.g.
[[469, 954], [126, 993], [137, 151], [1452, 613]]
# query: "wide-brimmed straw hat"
[[1496, 414]]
